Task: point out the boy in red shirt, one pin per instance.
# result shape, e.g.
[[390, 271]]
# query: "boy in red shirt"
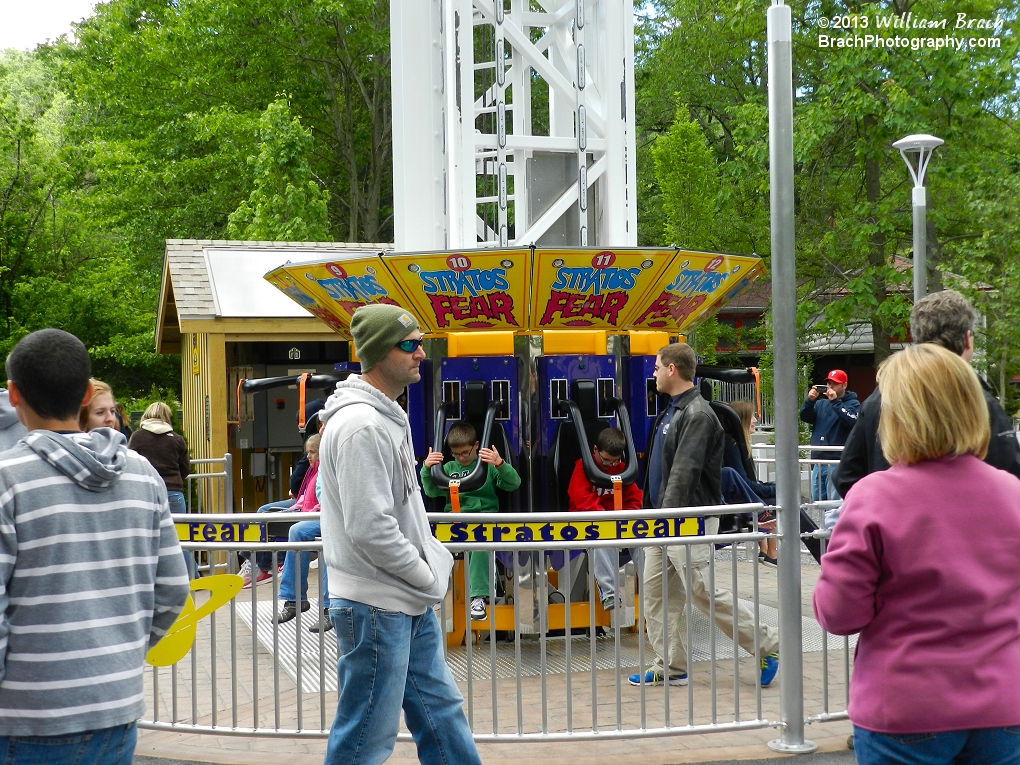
[[583, 495]]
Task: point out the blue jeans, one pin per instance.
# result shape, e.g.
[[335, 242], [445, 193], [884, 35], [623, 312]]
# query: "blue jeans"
[[264, 559], [305, 531], [822, 487], [391, 661], [107, 746], [980, 746], [178, 505]]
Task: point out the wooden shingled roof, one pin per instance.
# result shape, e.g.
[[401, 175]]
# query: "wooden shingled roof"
[[217, 286]]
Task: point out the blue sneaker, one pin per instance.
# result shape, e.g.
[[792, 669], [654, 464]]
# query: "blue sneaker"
[[769, 668], [652, 677]]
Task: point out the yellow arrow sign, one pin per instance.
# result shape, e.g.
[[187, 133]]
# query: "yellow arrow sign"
[[178, 640]]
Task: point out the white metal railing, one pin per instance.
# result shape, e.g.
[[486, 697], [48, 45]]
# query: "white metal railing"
[[524, 681], [836, 652], [205, 489]]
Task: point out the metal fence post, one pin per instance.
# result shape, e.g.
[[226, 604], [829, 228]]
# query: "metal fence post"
[[228, 483], [784, 310]]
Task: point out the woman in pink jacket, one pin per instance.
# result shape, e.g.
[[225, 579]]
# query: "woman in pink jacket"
[[925, 564]]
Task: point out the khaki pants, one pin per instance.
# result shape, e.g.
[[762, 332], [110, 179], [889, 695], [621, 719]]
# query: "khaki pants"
[[694, 582]]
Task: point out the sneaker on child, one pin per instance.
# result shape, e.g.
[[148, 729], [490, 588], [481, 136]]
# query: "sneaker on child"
[[327, 625], [260, 578], [289, 610], [478, 609]]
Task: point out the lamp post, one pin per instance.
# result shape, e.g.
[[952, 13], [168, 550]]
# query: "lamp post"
[[784, 334], [923, 145]]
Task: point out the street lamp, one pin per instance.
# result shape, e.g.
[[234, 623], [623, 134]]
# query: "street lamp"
[[923, 145]]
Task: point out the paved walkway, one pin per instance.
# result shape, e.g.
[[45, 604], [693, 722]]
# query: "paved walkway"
[[268, 694], [821, 757]]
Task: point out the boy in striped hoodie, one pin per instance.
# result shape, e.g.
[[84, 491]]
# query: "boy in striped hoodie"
[[91, 572]]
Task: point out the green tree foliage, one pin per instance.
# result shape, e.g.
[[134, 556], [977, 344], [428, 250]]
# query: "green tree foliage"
[[987, 270], [286, 205], [60, 265], [852, 190], [32, 171], [140, 129], [176, 90], [687, 180]]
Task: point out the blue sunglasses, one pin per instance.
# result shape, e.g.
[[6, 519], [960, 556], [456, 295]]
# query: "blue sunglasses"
[[410, 346]]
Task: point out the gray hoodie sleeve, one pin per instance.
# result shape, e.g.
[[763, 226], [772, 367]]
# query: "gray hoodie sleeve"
[[8, 557], [366, 472], [171, 587]]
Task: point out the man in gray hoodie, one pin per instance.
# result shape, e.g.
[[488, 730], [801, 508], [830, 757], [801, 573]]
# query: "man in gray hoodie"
[[385, 568], [91, 572]]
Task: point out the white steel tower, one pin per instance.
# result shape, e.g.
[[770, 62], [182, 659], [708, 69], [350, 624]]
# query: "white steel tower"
[[513, 123]]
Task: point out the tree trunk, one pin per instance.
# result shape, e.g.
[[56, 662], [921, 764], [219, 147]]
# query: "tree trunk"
[[1002, 376]]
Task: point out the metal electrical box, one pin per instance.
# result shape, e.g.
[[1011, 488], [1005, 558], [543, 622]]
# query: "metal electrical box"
[[276, 411]]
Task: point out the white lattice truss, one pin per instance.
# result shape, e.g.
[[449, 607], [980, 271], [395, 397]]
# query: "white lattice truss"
[[480, 87]]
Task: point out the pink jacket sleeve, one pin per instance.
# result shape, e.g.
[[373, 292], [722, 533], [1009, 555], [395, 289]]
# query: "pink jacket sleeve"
[[844, 597]]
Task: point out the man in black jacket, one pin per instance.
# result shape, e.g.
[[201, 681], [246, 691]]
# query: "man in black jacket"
[[945, 318], [685, 470]]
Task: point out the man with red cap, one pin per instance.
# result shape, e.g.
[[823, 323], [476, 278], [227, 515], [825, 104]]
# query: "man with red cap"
[[832, 414]]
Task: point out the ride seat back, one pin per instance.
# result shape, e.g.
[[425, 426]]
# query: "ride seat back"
[[566, 450]]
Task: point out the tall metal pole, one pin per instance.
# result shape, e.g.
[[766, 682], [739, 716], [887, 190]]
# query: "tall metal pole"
[[920, 204], [784, 343]]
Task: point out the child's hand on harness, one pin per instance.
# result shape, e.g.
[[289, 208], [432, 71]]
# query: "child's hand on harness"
[[490, 457]]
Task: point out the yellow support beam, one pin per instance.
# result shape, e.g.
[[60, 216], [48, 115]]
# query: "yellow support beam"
[[571, 341]]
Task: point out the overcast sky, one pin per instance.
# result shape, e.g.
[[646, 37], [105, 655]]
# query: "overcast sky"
[[26, 23]]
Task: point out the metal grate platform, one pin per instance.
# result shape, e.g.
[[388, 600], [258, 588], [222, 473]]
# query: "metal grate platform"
[[316, 656]]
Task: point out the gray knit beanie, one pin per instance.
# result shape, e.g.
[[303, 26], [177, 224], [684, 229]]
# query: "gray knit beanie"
[[377, 328]]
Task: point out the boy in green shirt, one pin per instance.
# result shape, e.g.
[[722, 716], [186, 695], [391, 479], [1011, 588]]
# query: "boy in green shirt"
[[463, 441]]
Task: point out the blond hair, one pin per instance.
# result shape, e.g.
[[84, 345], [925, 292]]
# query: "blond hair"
[[312, 442], [98, 389], [157, 410], [745, 411], [932, 406]]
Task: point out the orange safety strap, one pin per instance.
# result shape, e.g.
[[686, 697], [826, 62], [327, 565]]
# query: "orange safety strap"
[[301, 400], [240, 382], [757, 391], [617, 492], [455, 495]]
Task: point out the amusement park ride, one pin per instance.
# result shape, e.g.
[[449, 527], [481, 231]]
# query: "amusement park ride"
[[515, 231]]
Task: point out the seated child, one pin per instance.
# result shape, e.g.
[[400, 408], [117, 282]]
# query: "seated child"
[[294, 577], [305, 501], [583, 495], [463, 442]]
